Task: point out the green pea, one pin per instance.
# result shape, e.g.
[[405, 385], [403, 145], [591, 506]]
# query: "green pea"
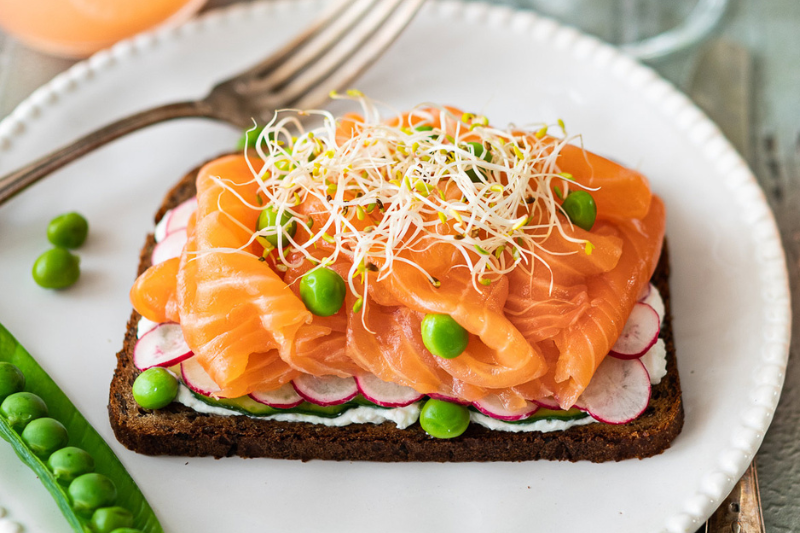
[[267, 219], [56, 269], [127, 530], [155, 388], [478, 150], [108, 519], [91, 491], [11, 380], [581, 209], [443, 336], [250, 137], [69, 463], [443, 420], [68, 230], [323, 291], [44, 436], [22, 407]]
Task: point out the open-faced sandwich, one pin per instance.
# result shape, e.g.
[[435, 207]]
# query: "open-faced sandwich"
[[423, 288]]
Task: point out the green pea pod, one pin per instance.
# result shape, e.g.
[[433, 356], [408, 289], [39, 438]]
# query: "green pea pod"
[[81, 434]]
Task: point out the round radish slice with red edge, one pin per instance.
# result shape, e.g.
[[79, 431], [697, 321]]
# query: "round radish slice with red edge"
[[492, 406], [325, 390], [179, 217], [619, 391], [444, 398], [284, 397], [163, 346], [386, 393], [639, 334], [170, 247], [196, 378], [547, 403], [579, 405], [655, 301]]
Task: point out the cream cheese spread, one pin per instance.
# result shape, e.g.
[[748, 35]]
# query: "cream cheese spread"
[[161, 228], [544, 426], [144, 326], [655, 362], [402, 416]]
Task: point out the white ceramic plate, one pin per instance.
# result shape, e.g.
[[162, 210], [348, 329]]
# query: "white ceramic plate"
[[730, 293]]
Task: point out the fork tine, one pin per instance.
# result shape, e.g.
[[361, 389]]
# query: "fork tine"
[[314, 48], [338, 16], [345, 60], [329, 16]]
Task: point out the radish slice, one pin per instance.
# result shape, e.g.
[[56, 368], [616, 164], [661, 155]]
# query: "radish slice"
[[197, 379], [655, 301], [492, 406], [639, 334], [579, 405], [551, 403], [444, 398], [547, 403], [325, 390], [163, 345], [283, 398], [619, 391], [170, 247], [179, 217], [386, 394]]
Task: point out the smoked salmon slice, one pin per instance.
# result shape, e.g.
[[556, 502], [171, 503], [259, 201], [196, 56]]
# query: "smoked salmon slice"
[[539, 329], [155, 293]]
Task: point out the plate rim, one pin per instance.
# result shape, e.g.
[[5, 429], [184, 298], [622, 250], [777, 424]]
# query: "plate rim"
[[767, 378]]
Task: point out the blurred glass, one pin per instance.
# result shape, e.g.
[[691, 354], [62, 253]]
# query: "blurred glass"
[[645, 29], [77, 28]]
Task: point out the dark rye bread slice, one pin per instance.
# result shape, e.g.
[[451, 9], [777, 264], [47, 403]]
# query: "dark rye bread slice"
[[178, 430]]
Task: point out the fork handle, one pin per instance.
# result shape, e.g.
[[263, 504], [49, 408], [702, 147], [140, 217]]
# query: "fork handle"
[[741, 510], [13, 183]]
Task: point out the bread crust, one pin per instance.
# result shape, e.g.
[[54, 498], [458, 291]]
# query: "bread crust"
[[179, 430]]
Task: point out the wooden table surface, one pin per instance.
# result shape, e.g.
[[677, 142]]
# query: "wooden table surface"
[[770, 31]]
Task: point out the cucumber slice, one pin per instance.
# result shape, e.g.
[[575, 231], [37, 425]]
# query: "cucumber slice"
[[243, 404], [360, 400], [328, 411], [552, 414], [248, 406]]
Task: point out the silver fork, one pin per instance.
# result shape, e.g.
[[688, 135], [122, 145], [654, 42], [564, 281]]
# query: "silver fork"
[[340, 45]]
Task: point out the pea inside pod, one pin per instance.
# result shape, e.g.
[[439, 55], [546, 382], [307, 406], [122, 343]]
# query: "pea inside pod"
[[109, 519], [92, 491], [11, 380], [22, 407], [69, 463], [44, 436], [32, 442]]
